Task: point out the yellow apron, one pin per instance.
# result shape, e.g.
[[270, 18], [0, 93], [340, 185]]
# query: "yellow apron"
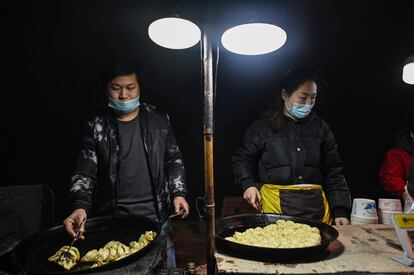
[[303, 200]]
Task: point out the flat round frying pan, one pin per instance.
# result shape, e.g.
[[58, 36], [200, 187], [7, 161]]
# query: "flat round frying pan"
[[227, 226], [31, 254]]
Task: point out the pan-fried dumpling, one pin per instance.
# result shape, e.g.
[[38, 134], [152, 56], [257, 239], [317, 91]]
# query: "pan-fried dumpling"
[[91, 256], [66, 263], [114, 250]]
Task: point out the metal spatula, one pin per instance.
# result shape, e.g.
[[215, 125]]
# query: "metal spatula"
[[66, 255], [180, 213], [260, 209]]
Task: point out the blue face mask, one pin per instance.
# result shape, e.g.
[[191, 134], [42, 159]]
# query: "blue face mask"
[[123, 107], [299, 110]]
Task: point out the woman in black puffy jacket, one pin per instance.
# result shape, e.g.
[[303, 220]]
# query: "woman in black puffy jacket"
[[288, 162]]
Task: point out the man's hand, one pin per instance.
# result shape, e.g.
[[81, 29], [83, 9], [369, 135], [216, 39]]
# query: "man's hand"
[[252, 196], [181, 203], [73, 221], [341, 221]]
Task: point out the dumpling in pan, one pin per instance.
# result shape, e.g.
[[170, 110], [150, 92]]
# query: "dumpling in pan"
[[66, 263]]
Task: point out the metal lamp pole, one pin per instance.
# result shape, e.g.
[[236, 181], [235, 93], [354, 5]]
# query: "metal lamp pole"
[[268, 31], [208, 131]]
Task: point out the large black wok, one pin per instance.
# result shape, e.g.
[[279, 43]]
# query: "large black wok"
[[227, 226], [31, 254]]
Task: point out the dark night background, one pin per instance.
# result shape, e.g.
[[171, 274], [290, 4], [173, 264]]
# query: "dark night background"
[[54, 51]]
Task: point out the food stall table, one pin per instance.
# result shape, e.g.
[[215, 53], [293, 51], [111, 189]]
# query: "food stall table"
[[358, 249]]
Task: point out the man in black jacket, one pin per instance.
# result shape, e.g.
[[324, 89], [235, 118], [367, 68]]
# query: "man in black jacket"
[[129, 163]]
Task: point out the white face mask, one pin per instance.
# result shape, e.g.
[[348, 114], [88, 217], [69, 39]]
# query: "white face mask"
[[123, 107], [299, 110]]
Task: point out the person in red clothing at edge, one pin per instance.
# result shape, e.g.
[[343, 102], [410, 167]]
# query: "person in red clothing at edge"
[[395, 170]]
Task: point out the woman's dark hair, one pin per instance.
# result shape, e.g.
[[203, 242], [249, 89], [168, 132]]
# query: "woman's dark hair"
[[291, 81]]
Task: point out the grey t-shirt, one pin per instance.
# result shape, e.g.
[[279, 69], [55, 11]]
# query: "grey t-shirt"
[[134, 191]]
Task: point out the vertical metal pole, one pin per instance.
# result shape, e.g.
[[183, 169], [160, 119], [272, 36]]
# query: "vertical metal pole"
[[208, 151]]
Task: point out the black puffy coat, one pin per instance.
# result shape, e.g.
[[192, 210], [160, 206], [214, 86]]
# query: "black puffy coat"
[[301, 152]]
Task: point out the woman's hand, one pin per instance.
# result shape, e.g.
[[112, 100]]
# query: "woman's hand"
[[341, 221], [252, 196]]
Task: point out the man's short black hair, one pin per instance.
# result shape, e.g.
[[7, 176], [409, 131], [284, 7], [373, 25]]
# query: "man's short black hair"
[[121, 67]]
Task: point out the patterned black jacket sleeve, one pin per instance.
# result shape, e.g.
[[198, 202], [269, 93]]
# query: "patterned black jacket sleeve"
[[174, 165], [84, 178]]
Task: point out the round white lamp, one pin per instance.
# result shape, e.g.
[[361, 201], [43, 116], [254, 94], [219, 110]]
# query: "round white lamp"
[[254, 38], [408, 70], [174, 33]]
